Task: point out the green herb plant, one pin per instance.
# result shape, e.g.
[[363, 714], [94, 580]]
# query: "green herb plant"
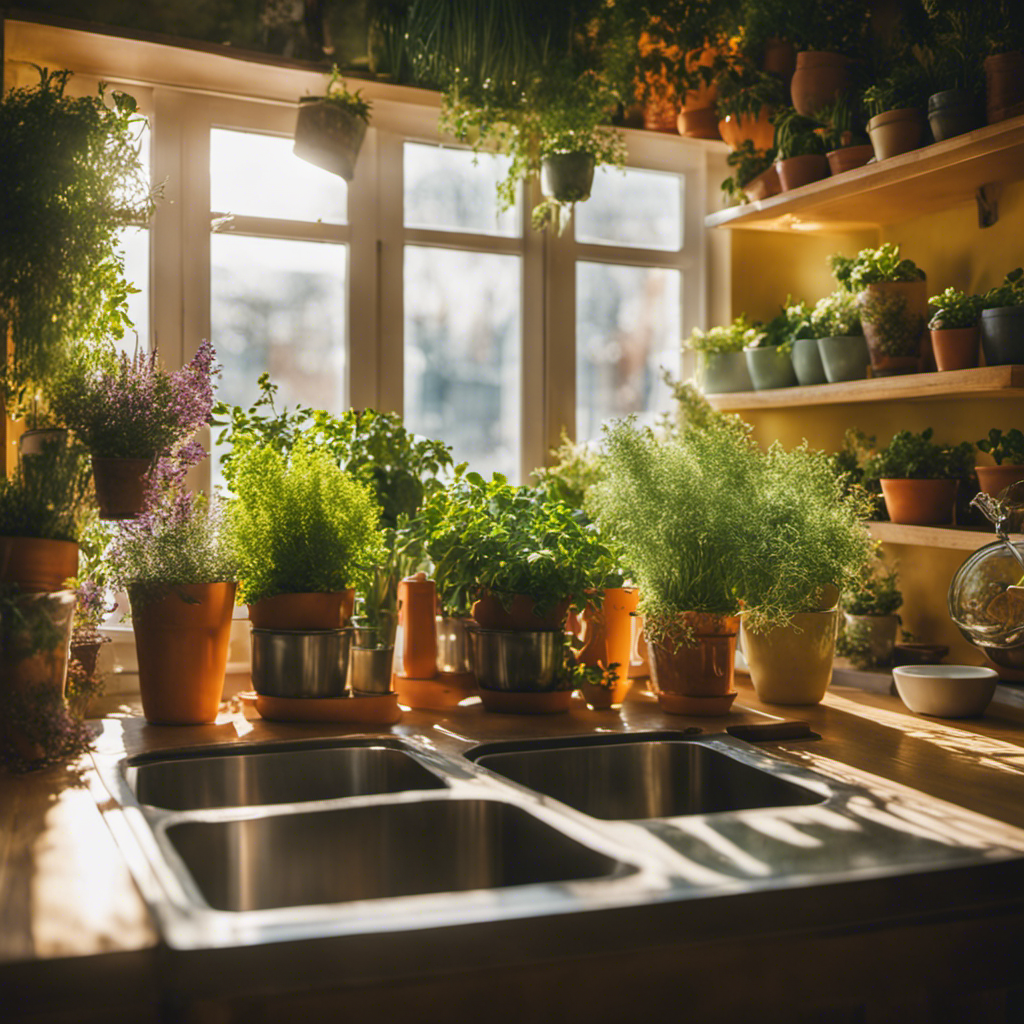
[[910, 456], [745, 90], [733, 337], [876, 592], [790, 324], [954, 309], [836, 316], [874, 266], [849, 464], [842, 124], [796, 135], [574, 470], [339, 95], [907, 84], [1004, 448], [49, 496], [1009, 293]]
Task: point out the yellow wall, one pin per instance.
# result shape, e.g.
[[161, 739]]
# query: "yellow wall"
[[953, 250]]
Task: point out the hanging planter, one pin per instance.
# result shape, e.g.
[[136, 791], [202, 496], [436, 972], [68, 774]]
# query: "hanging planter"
[[120, 486], [329, 130], [567, 177]]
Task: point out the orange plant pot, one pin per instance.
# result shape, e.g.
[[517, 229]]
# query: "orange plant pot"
[[303, 611], [894, 315], [955, 348], [801, 170], [608, 640], [849, 157], [36, 565], [760, 130], [919, 502], [489, 613], [182, 647], [995, 479], [417, 609], [704, 670], [819, 77]]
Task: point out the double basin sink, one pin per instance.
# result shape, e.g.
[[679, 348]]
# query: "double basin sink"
[[269, 841]]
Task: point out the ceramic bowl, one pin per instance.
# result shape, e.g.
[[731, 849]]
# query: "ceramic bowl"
[[945, 691]]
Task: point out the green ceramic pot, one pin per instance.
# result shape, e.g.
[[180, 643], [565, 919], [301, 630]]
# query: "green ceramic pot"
[[720, 373], [770, 368], [807, 362], [844, 358]]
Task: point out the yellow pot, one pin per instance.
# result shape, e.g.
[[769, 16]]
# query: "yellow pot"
[[793, 664]]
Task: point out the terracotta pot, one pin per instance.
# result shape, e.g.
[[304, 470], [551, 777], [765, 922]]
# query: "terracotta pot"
[[182, 647], [640, 656], [819, 78], [896, 131], [760, 130], [607, 637], [894, 315], [955, 348], [801, 170], [764, 186], [36, 565], [698, 123], [303, 611], [793, 664], [328, 136], [994, 479], [1004, 86], [120, 486], [919, 502], [780, 59], [417, 612], [489, 613], [87, 653], [567, 177], [878, 632], [849, 158], [704, 670]]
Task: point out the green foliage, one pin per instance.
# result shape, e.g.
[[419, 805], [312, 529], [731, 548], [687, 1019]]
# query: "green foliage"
[[49, 496], [792, 322], [849, 466], [953, 309], [300, 524], [731, 338], [836, 316], [910, 456], [491, 536], [1009, 293], [743, 90], [874, 266], [875, 592], [70, 180], [843, 124], [749, 163], [908, 83], [1008, 447], [577, 467], [796, 135], [353, 102]]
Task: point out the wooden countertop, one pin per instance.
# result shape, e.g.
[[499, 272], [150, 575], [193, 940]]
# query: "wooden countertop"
[[66, 894]]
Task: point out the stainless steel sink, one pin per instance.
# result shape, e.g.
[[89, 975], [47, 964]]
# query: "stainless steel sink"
[[378, 851], [621, 778], [287, 774]]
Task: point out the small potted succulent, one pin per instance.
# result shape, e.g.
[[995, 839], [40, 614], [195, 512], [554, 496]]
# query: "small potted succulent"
[[919, 478], [1007, 451], [954, 329], [330, 129], [799, 149], [835, 323], [870, 606], [130, 412], [1002, 321], [721, 361], [769, 352], [892, 294], [896, 105]]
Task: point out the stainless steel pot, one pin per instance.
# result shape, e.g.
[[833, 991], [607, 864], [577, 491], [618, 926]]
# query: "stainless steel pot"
[[370, 669], [453, 645], [520, 662], [299, 663]]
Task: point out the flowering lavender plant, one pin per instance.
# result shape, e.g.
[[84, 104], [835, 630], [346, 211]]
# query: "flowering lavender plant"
[[136, 409]]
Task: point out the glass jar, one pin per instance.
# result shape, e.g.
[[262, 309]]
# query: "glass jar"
[[986, 612]]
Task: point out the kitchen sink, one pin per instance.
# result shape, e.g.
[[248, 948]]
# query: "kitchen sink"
[[288, 774], [631, 778], [377, 851]]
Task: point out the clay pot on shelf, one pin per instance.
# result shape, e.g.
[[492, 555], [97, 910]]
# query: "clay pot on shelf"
[[955, 348], [779, 59], [807, 362], [995, 479], [521, 671], [894, 315], [849, 158], [120, 486], [698, 123], [819, 77], [489, 612], [770, 368], [37, 565], [723, 372], [764, 186], [697, 118], [182, 640], [607, 638], [801, 170], [697, 680], [919, 502], [759, 130], [844, 358], [952, 112], [1004, 86], [1002, 335], [309, 611], [328, 136], [896, 131]]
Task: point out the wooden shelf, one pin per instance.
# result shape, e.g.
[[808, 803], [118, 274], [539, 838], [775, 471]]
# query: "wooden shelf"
[[981, 382], [948, 538], [923, 181]]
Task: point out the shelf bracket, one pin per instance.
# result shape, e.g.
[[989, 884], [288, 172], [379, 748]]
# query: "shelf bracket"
[[987, 198]]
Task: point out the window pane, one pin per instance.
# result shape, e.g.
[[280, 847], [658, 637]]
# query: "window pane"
[[638, 208], [258, 176], [627, 328], [462, 354], [279, 306], [451, 190], [134, 243]]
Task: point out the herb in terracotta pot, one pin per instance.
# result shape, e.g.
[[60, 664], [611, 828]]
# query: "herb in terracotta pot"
[[836, 326], [919, 478], [1007, 451], [721, 361], [954, 329], [330, 129], [1002, 321], [870, 607], [846, 144], [747, 97], [132, 412], [895, 105], [799, 149]]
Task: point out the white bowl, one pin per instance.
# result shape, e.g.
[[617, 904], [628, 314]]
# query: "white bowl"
[[946, 691]]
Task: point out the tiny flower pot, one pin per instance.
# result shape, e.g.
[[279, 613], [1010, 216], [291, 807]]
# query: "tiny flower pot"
[[309, 611], [567, 177], [993, 480], [849, 157], [844, 358], [764, 186], [607, 638], [896, 131], [120, 486], [894, 315], [951, 113], [770, 368], [697, 679], [807, 362], [955, 348], [723, 372], [521, 671], [328, 136], [36, 565], [919, 502], [1004, 86], [801, 170], [878, 632], [1002, 335], [759, 130]]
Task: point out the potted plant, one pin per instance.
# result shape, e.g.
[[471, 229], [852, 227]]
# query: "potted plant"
[[1002, 321], [955, 56], [835, 323], [769, 353], [954, 329], [61, 272], [129, 413], [827, 41], [330, 129], [1007, 451], [846, 145], [895, 105], [721, 361], [747, 97], [919, 478], [892, 296], [870, 606], [799, 149], [755, 176]]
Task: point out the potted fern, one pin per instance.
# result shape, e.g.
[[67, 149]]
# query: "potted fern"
[[330, 129]]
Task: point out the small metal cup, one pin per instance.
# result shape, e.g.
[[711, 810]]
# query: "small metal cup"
[[520, 661], [370, 669], [453, 645], [300, 663]]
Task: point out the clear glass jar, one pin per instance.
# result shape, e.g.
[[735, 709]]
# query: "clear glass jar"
[[984, 610]]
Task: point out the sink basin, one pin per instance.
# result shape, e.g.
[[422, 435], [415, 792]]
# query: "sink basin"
[[274, 776], [376, 851], [619, 778]]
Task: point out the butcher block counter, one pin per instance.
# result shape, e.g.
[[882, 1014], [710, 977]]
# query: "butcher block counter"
[[78, 942]]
